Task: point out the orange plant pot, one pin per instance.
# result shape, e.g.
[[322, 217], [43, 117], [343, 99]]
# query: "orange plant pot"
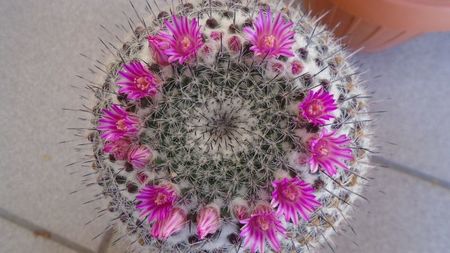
[[379, 24]]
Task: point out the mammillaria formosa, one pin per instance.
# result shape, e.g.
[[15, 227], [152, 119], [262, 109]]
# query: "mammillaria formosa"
[[228, 126]]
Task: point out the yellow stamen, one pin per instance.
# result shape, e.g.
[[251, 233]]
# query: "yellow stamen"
[[316, 108], [142, 83], [161, 199], [323, 149], [120, 125], [185, 43], [263, 223], [291, 192], [269, 41]]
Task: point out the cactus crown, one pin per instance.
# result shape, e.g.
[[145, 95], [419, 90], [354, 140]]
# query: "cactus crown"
[[221, 125]]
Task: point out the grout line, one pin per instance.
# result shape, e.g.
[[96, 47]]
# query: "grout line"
[[106, 240], [42, 232], [412, 172]]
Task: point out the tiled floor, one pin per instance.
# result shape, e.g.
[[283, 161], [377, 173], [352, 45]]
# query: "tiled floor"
[[16, 239], [405, 214], [39, 46], [413, 88]]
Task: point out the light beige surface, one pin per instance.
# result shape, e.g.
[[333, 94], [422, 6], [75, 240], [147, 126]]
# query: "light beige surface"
[[17, 239], [40, 42]]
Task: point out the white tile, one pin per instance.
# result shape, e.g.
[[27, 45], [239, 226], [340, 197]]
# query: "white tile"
[[39, 46], [39, 58], [404, 215], [17, 239], [414, 88]]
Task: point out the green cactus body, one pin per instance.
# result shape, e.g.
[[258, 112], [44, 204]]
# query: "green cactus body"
[[225, 125]]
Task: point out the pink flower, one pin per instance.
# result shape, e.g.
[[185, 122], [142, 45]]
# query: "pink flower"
[[184, 39], [157, 46], [292, 196], [139, 156], [271, 38], [176, 220], [156, 201], [328, 152], [119, 148], [317, 107], [263, 224], [116, 123], [137, 81], [208, 221]]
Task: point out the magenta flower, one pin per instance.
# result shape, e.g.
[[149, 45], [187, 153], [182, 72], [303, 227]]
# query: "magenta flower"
[[184, 39], [262, 225], [137, 81], [158, 45], [292, 196], [175, 222], [119, 148], [317, 107], [156, 201], [116, 123], [139, 156], [270, 38], [329, 152], [208, 221]]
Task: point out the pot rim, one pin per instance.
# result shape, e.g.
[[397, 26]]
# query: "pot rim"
[[422, 15]]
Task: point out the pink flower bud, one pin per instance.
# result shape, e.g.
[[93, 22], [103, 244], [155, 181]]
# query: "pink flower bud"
[[175, 222], [216, 35], [302, 159], [239, 209], [208, 221], [206, 49], [142, 177], [235, 44], [139, 156], [277, 67], [157, 46], [296, 68], [119, 148]]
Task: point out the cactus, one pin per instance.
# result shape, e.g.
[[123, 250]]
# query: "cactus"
[[228, 126]]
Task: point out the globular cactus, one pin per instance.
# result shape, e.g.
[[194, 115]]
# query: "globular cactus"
[[229, 127]]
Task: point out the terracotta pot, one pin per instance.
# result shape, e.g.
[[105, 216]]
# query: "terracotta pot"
[[379, 24]]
